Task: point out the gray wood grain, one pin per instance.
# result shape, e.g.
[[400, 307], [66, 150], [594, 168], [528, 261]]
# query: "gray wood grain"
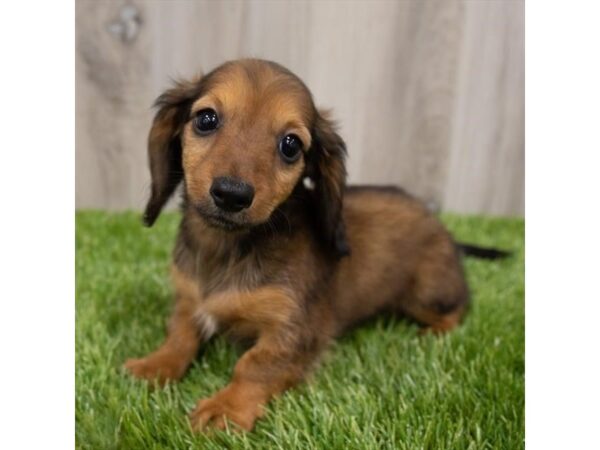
[[428, 94]]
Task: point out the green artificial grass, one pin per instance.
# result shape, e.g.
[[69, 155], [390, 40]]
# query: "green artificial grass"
[[381, 387]]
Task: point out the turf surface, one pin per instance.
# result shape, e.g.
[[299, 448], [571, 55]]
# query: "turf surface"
[[380, 387]]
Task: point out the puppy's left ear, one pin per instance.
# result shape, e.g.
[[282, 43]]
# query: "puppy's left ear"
[[328, 155], [164, 144]]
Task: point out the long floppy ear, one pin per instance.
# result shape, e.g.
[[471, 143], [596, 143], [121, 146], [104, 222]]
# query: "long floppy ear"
[[328, 154], [164, 144]]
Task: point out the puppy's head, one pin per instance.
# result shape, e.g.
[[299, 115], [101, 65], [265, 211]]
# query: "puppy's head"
[[243, 138]]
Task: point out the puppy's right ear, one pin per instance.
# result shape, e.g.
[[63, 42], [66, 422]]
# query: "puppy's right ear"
[[164, 144]]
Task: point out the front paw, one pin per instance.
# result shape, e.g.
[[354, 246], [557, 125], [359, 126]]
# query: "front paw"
[[154, 367], [226, 406]]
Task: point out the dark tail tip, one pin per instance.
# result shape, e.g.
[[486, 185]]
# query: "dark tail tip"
[[148, 219], [482, 252]]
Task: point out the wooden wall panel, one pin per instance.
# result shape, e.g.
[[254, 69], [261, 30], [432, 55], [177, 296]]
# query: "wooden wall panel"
[[428, 94], [486, 170], [113, 95]]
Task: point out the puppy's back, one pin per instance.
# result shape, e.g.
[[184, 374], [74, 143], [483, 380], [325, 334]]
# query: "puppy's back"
[[391, 235]]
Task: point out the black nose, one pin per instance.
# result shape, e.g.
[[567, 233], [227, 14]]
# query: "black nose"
[[230, 194]]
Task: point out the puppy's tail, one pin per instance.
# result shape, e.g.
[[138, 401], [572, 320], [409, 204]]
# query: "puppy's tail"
[[482, 252]]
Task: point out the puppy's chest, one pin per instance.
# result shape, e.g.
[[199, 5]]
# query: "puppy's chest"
[[222, 307], [233, 273]]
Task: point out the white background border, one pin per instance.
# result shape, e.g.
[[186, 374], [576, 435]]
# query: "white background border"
[[562, 224], [37, 308]]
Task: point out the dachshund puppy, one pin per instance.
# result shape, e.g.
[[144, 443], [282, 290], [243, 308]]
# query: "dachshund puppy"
[[273, 247]]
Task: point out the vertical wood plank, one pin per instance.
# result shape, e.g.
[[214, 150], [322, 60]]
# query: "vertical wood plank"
[[486, 168], [112, 108]]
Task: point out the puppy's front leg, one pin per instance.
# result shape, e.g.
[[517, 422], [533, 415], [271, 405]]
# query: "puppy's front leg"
[[281, 356], [173, 357]]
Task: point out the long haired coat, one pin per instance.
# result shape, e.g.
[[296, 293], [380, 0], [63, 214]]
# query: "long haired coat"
[[273, 247]]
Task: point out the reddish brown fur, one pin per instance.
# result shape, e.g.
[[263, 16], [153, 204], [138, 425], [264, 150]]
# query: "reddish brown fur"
[[280, 278]]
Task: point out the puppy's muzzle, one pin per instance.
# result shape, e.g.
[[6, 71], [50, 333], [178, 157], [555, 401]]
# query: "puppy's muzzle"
[[231, 194]]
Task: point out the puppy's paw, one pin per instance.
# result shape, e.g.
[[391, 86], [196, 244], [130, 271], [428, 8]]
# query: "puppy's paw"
[[222, 408], [154, 367]]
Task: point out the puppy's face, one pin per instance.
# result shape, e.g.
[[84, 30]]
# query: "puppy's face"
[[243, 147], [241, 138]]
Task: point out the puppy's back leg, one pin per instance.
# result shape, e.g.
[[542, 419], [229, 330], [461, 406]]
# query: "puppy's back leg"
[[439, 296], [432, 321]]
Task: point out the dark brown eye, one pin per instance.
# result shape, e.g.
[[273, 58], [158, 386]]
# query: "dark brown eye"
[[290, 148], [206, 121]]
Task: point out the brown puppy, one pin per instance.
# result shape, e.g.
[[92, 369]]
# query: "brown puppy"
[[273, 247]]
